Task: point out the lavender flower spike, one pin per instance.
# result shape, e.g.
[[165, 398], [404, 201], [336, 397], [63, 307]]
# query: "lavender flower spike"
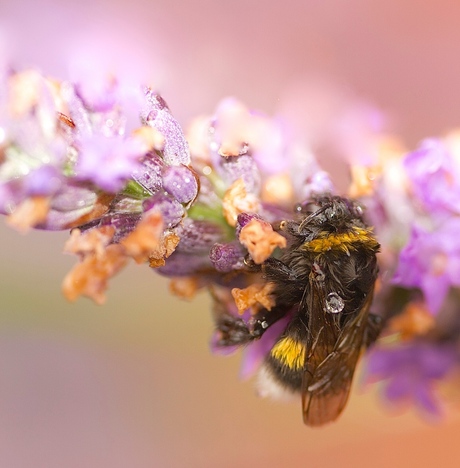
[[224, 208]]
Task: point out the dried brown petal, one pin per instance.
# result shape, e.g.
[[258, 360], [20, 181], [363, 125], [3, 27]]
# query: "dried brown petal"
[[253, 296], [362, 181], [29, 213], [89, 277], [165, 248], [278, 189], [91, 242], [184, 287], [236, 200], [260, 239], [146, 238], [415, 320]]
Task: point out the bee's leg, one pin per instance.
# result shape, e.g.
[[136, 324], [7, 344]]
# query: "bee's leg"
[[373, 329], [233, 331], [264, 319], [272, 268]]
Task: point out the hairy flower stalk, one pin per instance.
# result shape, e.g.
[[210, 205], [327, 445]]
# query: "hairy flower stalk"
[[114, 167]]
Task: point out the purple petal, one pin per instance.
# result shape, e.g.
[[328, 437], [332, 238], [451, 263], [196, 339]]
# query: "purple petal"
[[426, 399], [221, 350], [149, 173], [256, 352], [124, 223], [157, 115], [97, 91], [68, 206], [184, 264], [171, 210], [435, 289], [77, 110], [198, 237], [72, 197], [399, 387], [435, 176], [181, 183]]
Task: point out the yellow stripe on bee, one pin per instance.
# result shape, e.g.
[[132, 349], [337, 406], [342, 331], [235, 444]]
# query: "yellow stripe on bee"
[[342, 241], [289, 352]]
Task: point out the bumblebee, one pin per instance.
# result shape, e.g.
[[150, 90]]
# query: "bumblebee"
[[325, 279]]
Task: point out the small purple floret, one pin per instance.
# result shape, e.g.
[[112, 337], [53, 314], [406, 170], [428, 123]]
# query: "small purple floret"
[[226, 257]]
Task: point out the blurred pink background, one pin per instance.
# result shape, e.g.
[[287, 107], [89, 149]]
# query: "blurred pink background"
[[132, 384]]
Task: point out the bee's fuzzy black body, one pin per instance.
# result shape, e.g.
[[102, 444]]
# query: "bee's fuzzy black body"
[[325, 278]]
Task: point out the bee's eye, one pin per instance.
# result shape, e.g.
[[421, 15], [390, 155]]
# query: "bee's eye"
[[359, 210]]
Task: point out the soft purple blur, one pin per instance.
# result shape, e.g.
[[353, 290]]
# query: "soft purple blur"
[[433, 172], [411, 372], [431, 261]]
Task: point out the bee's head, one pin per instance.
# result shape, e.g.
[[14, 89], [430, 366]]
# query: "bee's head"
[[329, 213]]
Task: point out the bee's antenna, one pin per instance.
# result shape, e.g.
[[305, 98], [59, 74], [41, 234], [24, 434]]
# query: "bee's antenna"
[[312, 216]]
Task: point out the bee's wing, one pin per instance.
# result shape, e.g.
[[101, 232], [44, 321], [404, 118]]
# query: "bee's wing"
[[332, 359]]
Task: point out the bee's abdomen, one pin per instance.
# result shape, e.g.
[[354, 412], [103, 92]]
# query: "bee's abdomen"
[[285, 362]]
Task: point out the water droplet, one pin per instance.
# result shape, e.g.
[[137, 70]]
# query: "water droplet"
[[334, 303]]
